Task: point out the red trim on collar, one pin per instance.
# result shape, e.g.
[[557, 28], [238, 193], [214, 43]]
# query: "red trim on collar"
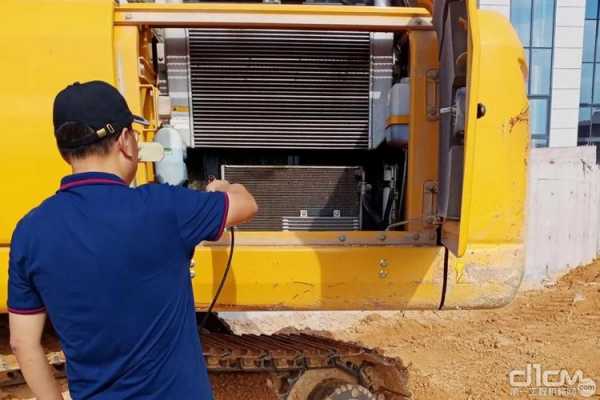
[[91, 181]]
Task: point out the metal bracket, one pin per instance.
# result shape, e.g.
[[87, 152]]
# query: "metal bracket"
[[430, 191], [432, 98]]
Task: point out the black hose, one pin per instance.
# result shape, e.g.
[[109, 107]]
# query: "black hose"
[[388, 208], [403, 183], [223, 279]]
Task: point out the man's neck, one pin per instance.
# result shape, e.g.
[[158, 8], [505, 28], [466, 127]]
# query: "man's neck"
[[81, 166]]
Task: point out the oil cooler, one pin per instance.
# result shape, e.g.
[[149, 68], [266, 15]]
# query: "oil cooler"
[[297, 198], [288, 89]]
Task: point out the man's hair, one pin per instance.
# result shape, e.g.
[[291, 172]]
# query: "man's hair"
[[73, 130]]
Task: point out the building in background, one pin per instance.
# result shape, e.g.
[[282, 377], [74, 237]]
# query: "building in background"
[[589, 112], [552, 33]]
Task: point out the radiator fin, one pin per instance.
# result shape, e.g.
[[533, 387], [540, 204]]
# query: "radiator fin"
[[298, 191], [280, 88], [320, 223]]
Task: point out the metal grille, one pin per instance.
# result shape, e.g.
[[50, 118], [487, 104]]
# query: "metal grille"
[[300, 191], [280, 88], [320, 223]]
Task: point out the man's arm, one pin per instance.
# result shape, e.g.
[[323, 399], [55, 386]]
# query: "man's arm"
[[25, 341], [242, 205]]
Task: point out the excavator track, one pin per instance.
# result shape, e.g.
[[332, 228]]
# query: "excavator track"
[[300, 364]]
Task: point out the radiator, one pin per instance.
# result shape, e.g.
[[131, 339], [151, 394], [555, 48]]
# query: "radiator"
[[320, 223], [281, 88], [301, 197]]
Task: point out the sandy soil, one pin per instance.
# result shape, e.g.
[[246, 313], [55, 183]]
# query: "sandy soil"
[[451, 355], [469, 354]]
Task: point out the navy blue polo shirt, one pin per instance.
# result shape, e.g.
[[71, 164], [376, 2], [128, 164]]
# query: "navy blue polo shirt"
[[110, 266]]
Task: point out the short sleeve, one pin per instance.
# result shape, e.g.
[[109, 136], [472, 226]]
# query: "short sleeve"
[[23, 298], [200, 215]]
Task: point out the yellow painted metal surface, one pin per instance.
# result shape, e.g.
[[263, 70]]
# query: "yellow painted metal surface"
[[273, 16], [312, 277], [486, 276], [496, 145], [321, 277], [136, 80], [53, 43], [4, 251], [45, 46], [423, 137], [398, 120], [332, 238], [489, 265], [126, 50]]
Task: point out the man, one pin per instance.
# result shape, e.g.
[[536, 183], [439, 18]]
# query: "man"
[[109, 264]]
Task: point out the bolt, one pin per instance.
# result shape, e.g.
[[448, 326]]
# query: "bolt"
[[192, 273], [128, 16], [381, 237], [342, 238], [383, 273], [383, 263]]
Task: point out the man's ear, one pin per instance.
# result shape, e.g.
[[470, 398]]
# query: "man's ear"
[[65, 158], [127, 143]]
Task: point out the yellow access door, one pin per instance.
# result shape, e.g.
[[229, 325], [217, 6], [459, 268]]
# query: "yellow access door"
[[484, 138]]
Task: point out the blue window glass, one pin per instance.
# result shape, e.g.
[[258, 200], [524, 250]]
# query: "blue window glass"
[[591, 9], [596, 89], [520, 16], [587, 76], [589, 35], [589, 111], [528, 58], [534, 22], [595, 124], [585, 114], [597, 35], [538, 114], [543, 23], [541, 62]]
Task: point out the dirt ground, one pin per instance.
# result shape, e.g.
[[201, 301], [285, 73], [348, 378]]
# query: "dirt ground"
[[452, 355], [468, 355]]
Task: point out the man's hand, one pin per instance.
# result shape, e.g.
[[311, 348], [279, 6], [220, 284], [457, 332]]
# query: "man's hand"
[[218, 185], [242, 206], [25, 341]]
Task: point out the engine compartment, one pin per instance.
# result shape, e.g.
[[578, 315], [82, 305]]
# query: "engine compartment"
[[315, 123]]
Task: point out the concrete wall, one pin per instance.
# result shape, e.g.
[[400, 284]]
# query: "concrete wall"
[[563, 207]]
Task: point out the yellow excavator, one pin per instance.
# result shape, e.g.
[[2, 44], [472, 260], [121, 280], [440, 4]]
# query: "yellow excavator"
[[386, 145]]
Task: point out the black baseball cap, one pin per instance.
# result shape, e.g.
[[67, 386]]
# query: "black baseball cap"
[[98, 107]]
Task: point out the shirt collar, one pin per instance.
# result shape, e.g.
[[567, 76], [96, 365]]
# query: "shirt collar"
[[90, 178]]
